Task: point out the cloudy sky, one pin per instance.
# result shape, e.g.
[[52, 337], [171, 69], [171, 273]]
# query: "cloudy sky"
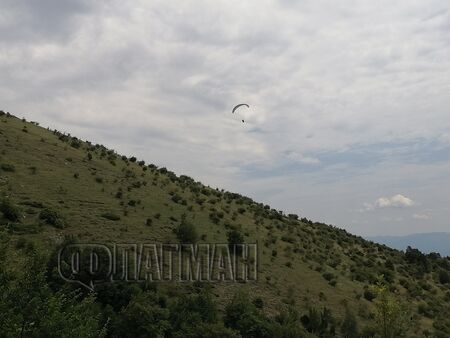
[[349, 118]]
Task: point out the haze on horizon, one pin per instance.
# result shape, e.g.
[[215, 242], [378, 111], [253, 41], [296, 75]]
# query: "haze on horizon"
[[349, 119]]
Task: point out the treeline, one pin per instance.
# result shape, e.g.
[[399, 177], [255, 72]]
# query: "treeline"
[[36, 302]]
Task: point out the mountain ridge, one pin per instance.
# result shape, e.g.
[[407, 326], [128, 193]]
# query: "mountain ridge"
[[427, 242]]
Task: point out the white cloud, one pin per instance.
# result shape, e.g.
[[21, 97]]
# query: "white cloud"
[[396, 201], [421, 216], [298, 157]]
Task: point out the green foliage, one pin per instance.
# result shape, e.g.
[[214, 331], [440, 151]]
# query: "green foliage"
[[369, 295], [349, 326], [392, 315], [186, 232], [10, 211], [52, 217], [28, 308], [7, 167], [444, 277], [242, 315], [320, 323], [143, 317], [235, 237]]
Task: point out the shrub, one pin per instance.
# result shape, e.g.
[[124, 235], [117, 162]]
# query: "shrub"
[[8, 167], [149, 222], [369, 295], [328, 276], [10, 211], [258, 302], [99, 179], [444, 277], [235, 237], [51, 217], [75, 144], [349, 326], [242, 315], [111, 216], [186, 232], [21, 243]]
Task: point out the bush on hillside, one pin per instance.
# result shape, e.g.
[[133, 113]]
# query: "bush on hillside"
[[10, 211], [444, 277], [8, 167], [51, 217], [186, 232], [110, 216]]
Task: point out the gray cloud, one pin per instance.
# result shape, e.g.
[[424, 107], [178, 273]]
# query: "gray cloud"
[[43, 20], [325, 82]]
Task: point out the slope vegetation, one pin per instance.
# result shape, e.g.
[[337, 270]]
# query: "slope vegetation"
[[54, 186]]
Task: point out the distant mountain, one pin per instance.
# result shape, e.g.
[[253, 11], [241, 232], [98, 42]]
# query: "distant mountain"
[[425, 242]]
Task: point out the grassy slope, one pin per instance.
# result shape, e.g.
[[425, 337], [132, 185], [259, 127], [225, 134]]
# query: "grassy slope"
[[44, 172]]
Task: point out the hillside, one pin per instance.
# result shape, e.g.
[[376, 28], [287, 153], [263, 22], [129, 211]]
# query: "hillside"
[[99, 196]]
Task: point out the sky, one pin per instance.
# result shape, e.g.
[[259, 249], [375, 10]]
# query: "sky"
[[349, 118]]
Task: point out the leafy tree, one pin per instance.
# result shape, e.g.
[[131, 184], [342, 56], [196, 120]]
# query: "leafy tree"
[[186, 232], [28, 308], [319, 323], [287, 324], [142, 317], [242, 315], [349, 326], [189, 312], [235, 237], [391, 314], [444, 277]]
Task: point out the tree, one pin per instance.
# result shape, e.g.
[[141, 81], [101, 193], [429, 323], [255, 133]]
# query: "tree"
[[349, 326], [142, 317], [28, 307], [235, 237], [186, 232], [319, 323], [242, 315], [444, 277], [391, 314]]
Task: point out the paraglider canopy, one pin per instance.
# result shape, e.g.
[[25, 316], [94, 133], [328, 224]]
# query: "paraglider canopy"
[[240, 105]]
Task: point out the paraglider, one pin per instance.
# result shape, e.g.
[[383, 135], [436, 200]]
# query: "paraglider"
[[240, 105]]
